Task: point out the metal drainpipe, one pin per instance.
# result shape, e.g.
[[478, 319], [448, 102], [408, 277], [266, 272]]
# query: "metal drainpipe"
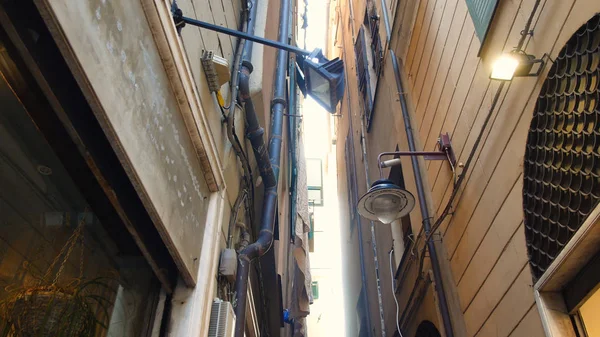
[[386, 20], [423, 204], [435, 264], [269, 166], [292, 147]]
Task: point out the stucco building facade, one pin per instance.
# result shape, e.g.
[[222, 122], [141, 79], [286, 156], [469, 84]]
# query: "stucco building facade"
[[139, 157]]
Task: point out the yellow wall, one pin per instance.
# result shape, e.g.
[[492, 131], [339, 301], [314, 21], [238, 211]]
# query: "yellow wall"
[[445, 72]]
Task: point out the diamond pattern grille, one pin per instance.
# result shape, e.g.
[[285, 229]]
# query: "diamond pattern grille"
[[562, 157]]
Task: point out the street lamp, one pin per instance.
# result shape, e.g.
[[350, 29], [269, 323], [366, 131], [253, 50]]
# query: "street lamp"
[[386, 201], [515, 64], [323, 79], [320, 78]]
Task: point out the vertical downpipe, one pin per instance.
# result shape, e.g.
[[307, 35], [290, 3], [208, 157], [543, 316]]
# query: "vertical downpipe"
[[268, 160], [423, 204]]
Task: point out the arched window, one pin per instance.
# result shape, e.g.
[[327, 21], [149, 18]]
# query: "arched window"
[[562, 158], [427, 329]]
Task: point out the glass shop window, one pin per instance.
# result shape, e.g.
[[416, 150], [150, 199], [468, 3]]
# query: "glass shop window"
[[61, 274]]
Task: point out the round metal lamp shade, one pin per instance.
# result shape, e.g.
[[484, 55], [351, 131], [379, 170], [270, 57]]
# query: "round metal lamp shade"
[[385, 202]]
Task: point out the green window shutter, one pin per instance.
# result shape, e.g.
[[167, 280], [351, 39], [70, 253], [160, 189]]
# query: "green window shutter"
[[482, 12], [315, 289]]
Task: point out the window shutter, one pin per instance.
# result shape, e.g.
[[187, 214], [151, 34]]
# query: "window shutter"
[[362, 68], [482, 12], [376, 47]]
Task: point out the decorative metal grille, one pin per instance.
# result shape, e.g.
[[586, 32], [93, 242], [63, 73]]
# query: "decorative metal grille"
[[562, 158]]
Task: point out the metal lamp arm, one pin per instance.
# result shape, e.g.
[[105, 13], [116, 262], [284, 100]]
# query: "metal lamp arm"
[[181, 21], [445, 153]]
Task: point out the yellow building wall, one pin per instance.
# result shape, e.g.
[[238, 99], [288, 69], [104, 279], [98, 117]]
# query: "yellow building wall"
[[445, 71], [448, 81]]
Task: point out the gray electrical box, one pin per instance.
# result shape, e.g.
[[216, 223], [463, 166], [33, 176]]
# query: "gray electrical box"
[[228, 264]]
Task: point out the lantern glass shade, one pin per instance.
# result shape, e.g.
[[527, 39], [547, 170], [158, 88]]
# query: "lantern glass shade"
[[319, 87], [504, 67], [324, 80], [515, 64], [385, 202]]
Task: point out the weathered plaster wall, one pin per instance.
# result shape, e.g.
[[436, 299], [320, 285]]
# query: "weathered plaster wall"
[[117, 64], [120, 63]]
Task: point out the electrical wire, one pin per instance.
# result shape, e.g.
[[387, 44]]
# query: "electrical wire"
[[242, 196], [230, 120], [393, 293], [463, 174], [448, 206]]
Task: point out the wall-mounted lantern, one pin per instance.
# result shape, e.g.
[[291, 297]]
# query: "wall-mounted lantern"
[[386, 201], [516, 64], [321, 79]]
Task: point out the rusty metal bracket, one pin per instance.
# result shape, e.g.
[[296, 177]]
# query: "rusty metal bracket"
[[446, 152]]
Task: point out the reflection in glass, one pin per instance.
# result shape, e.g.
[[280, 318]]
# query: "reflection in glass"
[[61, 274]]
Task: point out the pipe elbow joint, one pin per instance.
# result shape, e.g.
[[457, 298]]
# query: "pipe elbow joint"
[[244, 82]]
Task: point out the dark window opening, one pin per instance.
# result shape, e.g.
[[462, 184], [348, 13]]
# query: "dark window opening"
[[371, 21], [369, 63], [364, 78], [427, 329], [53, 241]]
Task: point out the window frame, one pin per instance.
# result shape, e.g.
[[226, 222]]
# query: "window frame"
[[369, 64], [556, 317], [57, 126], [363, 76], [372, 19], [319, 188]]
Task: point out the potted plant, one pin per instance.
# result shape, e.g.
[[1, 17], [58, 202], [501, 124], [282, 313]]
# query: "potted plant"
[[52, 308]]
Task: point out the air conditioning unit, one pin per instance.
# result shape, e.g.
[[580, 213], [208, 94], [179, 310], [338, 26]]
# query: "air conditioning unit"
[[222, 319]]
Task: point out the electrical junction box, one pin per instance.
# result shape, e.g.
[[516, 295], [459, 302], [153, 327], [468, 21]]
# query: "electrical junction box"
[[216, 69], [228, 264]]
